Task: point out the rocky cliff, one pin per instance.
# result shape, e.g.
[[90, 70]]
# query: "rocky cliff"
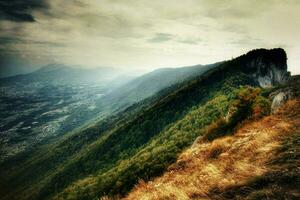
[[268, 67]]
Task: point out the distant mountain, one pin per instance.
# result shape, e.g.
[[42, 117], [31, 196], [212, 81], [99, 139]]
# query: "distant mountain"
[[49, 102], [58, 74], [147, 85]]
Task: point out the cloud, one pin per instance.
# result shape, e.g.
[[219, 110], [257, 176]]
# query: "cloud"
[[191, 41], [161, 37], [20, 10], [13, 41], [8, 40], [249, 41], [165, 37]]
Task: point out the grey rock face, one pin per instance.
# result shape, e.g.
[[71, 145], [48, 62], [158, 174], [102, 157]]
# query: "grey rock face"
[[270, 74], [268, 67], [274, 76], [279, 98]]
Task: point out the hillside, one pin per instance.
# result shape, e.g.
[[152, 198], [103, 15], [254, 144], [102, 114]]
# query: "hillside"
[[109, 157], [147, 85], [259, 161]]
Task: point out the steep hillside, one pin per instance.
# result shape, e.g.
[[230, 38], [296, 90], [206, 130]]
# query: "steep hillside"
[[151, 83], [259, 161], [110, 158]]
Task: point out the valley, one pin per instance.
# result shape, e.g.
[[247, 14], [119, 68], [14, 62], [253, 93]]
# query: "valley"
[[41, 107], [33, 113]]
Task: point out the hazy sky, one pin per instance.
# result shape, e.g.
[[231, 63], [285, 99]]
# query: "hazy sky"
[[143, 34]]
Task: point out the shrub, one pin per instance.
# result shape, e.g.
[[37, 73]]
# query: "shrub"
[[261, 107], [215, 129], [247, 103]]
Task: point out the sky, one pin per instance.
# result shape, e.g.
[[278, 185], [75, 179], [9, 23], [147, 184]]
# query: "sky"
[[143, 34]]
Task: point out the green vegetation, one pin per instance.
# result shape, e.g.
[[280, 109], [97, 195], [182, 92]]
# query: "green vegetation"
[[247, 104], [152, 158]]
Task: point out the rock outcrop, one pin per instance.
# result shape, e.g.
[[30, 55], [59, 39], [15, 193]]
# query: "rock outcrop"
[[279, 99], [286, 92], [268, 67]]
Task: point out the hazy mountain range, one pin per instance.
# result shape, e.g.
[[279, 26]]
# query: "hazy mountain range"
[[56, 99]]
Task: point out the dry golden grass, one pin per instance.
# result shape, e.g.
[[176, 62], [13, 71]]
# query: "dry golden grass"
[[224, 162]]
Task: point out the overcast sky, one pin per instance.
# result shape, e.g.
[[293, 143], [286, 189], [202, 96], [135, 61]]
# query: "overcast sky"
[[143, 34]]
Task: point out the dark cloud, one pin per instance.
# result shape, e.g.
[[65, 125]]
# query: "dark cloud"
[[8, 40], [20, 10], [15, 56], [161, 37], [13, 40], [11, 63]]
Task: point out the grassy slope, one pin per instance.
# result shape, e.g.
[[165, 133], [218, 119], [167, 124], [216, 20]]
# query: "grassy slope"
[[260, 161]]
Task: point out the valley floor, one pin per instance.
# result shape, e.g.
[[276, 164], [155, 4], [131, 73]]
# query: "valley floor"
[[259, 161]]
